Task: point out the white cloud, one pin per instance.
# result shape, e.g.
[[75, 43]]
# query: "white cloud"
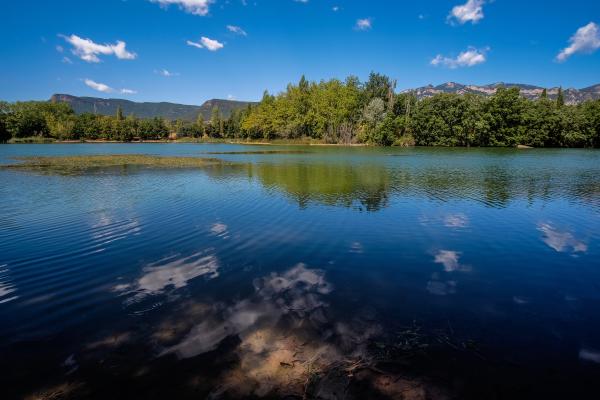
[[364, 24], [104, 88], [206, 43], [88, 51], [467, 58], [194, 44], [472, 11], [230, 97], [585, 40], [237, 30], [101, 87], [335, 8], [166, 73], [195, 7], [66, 60]]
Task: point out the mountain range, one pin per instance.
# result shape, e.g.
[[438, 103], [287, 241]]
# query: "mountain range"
[[186, 112], [531, 92], [170, 111]]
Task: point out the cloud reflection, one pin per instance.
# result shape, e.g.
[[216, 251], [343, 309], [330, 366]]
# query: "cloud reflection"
[[297, 291], [589, 355], [440, 288], [172, 273], [456, 221], [450, 260], [219, 229], [5, 287], [561, 241]]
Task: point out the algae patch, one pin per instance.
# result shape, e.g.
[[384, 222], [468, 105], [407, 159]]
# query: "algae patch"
[[68, 164]]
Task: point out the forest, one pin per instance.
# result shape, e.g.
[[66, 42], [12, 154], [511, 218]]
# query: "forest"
[[335, 111]]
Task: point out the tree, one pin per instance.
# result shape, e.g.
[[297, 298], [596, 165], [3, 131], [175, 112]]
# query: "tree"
[[560, 98], [544, 94], [119, 114], [216, 122], [200, 125], [5, 110]]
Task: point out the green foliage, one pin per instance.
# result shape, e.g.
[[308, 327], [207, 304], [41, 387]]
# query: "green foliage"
[[4, 110], [372, 113], [560, 98], [337, 111]]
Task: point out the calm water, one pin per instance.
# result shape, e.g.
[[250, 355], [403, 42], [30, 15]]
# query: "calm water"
[[319, 273]]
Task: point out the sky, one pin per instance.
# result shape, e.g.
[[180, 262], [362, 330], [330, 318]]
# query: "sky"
[[189, 51]]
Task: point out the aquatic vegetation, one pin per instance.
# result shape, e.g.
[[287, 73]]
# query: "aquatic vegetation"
[[85, 162], [260, 152]]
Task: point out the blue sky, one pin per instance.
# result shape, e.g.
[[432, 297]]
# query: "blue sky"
[[73, 46]]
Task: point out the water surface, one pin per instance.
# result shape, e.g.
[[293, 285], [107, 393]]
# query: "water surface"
[[310, 272]]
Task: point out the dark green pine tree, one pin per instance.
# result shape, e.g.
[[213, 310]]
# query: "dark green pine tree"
[[560, 98], [544, 94]]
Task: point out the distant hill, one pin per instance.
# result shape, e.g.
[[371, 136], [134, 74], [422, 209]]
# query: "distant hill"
[[170, 111], [572, 96]]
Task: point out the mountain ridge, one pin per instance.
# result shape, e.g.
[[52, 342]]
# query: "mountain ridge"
[[188, 112], [173, 111], [531, 92]]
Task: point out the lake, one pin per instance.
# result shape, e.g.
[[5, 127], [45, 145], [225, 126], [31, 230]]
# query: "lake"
[[302, 272]]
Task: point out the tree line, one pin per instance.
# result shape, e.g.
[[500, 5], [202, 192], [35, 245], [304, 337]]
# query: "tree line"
[[372, 112], [58, 121], [337, 111]]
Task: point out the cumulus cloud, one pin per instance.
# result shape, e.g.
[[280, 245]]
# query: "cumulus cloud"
[[471, 11], [166, 73], [237, 30], [586, 40], [104, 88], [89, 51], [101, 87], [364, 24], [206, 43], [467, 58], [195, 7]]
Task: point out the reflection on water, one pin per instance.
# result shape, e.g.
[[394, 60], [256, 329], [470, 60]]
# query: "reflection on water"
[[456, 221], [6, 288], [171, 272], [303, 273], [449, 259], [370, 186], [561, 241], [296, 293], [343, 184]]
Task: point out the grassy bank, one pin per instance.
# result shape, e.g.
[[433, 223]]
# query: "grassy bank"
[[79, 163]]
